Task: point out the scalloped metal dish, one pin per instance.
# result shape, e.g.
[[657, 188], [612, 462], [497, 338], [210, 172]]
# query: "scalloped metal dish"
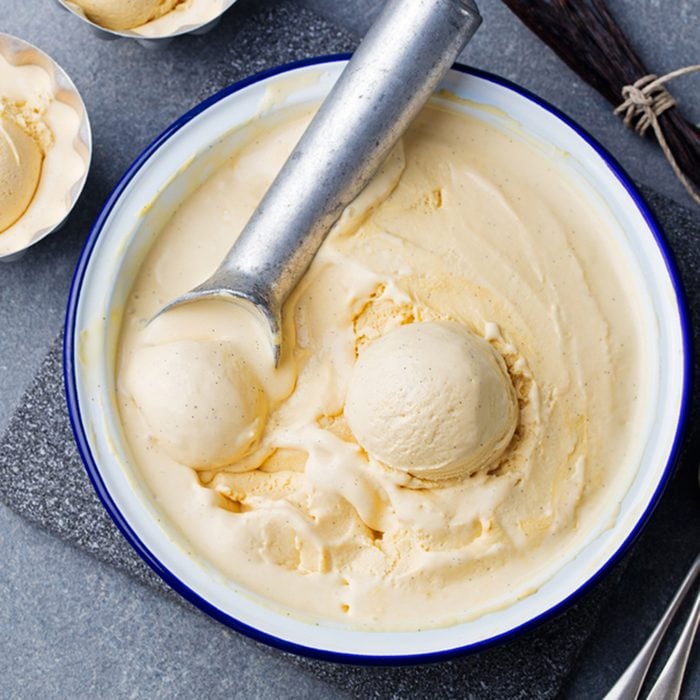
[[19, 52]]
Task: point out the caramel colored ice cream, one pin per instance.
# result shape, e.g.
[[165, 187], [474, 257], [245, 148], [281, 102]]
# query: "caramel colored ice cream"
[[124, 14], [149, 18], [40, 154], [459, 403], [20, 168]]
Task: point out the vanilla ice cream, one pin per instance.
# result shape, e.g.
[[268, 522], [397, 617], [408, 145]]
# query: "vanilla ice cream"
[[432, 399], [200, 400], [470, 316], [20, 167], [149, 18], [41, 154], [124, 14]]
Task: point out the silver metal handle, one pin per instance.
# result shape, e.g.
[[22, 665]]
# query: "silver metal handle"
[[398, 65]]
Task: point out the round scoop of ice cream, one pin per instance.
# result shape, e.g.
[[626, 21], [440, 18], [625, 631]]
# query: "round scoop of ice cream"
[[20, 169], [124, 14], [432, 399], [201, 401]]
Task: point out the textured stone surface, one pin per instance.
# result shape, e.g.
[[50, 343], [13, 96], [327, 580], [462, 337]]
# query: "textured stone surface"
[[74, 627]]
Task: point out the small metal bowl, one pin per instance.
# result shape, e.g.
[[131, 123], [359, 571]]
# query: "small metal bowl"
[[150, 42], [21, 53]]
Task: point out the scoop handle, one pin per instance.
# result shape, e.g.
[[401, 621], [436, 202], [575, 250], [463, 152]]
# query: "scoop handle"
[[400, 62]]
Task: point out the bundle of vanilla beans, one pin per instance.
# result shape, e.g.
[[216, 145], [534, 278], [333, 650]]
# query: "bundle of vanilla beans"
[[585, 35]]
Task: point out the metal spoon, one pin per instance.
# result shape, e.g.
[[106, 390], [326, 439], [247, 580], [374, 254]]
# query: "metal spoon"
[[393, 73], [670, 681], [629, 685]]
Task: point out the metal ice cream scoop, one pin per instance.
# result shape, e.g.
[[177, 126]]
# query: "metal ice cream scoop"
[[400, 62]]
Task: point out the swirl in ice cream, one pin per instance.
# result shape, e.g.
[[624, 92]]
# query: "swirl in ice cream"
[[457, 408]]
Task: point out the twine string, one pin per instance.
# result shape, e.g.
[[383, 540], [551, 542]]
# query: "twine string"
[[644, 102]]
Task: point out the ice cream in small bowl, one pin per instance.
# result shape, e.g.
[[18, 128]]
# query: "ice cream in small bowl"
[[479, 397], [150, 22], [45, 145]]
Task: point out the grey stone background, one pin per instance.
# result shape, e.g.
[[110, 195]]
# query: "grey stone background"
[[73, 627]]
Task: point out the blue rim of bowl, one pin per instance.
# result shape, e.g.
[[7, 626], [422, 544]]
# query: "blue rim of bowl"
[[124, 526]]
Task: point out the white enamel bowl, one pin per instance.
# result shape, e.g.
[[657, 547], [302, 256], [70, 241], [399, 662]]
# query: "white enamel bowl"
[[164, 174]]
